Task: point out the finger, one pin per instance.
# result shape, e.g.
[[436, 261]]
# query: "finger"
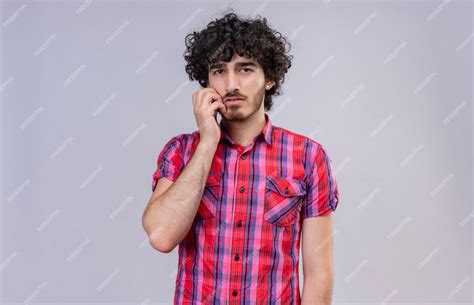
[[207, 92], [209, 98], [218, 105], [222, 107]]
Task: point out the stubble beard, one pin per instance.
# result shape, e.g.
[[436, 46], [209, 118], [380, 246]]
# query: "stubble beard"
[[237, 113]]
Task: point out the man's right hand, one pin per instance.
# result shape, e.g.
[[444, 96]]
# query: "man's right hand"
[[206, 114]]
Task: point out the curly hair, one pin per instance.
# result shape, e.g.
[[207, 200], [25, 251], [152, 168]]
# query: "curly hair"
[[249, 38]]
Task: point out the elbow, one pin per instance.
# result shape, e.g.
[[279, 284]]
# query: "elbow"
[[159, 242], [156, 237], [161, 246]]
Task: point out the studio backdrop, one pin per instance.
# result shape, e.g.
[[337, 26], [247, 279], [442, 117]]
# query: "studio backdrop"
[[91, 91]]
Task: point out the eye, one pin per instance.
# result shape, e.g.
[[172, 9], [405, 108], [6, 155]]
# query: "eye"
[[247, 69], [216, 71]]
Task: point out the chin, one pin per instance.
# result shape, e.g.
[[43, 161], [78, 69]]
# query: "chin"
[[240, 112], [235, 114]]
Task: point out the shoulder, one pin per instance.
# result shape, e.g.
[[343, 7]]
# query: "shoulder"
[[309, 143], [183, 139], [179, 144], [311, 150]]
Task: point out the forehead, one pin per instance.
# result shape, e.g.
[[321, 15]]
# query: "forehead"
[[235, 60]]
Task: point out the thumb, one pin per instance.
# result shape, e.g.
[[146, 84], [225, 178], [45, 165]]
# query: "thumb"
[[222, 107]]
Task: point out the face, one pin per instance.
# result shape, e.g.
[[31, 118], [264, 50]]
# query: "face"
[[241, 78]]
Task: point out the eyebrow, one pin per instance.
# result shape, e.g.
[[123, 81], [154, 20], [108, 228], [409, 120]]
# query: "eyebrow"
[[238, 64]]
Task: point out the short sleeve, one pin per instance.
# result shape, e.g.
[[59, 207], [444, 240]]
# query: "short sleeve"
[[323, 192], [169, 163]]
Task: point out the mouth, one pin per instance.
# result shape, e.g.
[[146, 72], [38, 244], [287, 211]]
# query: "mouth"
[[233, 100]]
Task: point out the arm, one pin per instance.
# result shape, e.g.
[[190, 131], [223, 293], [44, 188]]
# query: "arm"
[[172, 207], [317, 245]]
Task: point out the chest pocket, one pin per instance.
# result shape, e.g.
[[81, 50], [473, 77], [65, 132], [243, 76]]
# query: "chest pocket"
[[283, 199], [210, 197]]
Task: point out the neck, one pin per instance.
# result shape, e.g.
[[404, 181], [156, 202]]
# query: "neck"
[[243, 132]]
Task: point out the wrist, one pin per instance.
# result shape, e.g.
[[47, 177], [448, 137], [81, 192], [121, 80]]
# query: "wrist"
[[208, 144]]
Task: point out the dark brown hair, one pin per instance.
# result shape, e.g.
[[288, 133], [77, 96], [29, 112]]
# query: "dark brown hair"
[[249, 38]]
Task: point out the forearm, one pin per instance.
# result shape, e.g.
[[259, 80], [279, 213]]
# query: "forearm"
[[168, 218], [317, 289]]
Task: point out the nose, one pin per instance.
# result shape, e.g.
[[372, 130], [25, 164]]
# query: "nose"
[[232, 82]]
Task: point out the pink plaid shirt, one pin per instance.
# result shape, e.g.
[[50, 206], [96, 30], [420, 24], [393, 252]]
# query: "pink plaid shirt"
[[243, 246]]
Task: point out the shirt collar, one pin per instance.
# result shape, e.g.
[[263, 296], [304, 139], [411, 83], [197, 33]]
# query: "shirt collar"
[[266, 131]]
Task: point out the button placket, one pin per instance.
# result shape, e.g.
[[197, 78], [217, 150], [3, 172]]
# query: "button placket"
[[240, 209]]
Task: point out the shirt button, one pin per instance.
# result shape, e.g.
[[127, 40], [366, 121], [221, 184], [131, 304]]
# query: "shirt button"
[[239, 223], [242, 189], [234, 293], [287, 191], [243, 157], [237, 257]]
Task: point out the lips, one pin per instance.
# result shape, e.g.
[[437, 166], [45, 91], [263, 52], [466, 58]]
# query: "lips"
[[233, 99]]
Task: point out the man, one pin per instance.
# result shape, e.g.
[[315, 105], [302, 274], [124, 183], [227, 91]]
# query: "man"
[[236, 195]]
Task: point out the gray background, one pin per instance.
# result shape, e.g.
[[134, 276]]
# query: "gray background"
[[90, 92]]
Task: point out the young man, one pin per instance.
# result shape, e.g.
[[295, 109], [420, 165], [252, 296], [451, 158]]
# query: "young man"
[[237, 194]]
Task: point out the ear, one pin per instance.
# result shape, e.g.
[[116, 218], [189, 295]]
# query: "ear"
[[269, 85]]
